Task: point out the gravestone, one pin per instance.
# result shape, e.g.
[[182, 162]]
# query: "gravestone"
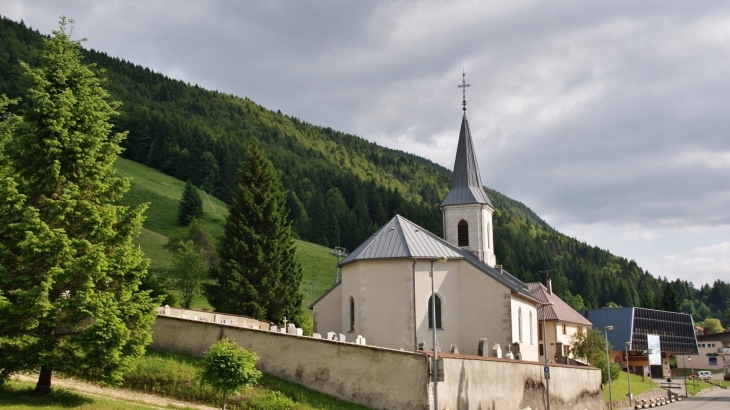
[[453, 349], [497, 351], [483, 347], [263, 326], [274, 328], [343, 338], [291, 329], [421, 346], [331, 336], [316, 336], [299, 331]]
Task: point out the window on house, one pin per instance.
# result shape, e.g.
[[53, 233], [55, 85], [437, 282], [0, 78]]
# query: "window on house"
[[565, 329], [539, 331], [352, 314], [438, 312], [463, 230], [540, 351], [519, 324], [580, 329]]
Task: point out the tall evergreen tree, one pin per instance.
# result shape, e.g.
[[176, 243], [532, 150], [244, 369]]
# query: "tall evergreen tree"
[[670, 303], [191, 205], [69, 269], [258, 274]]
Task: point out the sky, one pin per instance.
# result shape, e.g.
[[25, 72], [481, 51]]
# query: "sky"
[[610, 120]]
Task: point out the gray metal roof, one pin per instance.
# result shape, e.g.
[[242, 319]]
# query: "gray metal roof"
[[622, 320], [400, 238], [466, 182], [560, 310]]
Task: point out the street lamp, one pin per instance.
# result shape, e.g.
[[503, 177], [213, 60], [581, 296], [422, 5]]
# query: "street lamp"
[[628, 372], [544, 351], [608, 368], [433, 328], [684, 370], [648, 352]]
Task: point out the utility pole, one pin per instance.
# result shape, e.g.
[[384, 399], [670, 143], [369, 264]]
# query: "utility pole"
[[340, 254]]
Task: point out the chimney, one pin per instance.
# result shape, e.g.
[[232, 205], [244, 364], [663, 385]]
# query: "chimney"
[[550, 286]]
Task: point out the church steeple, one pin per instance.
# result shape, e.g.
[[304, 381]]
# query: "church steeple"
[[467, 210]]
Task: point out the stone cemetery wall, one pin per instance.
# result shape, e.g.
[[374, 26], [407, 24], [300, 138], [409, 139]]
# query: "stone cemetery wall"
[[472, 382], [375, 377], [381, 378]]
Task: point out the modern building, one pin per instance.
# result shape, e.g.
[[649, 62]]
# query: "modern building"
[[654, 335], [561, 323], [386, 291], [710, 353]]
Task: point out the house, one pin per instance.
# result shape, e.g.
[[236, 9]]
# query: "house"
[[561, 323], [650, 337], [386, 289]]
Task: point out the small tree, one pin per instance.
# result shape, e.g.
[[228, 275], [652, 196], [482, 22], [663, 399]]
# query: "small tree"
[[228, 367], [590, 346], [188, 269], [191, 205], [712, 325]]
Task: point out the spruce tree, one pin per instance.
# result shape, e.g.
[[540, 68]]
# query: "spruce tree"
[[258, 274], [69, 269], [191, 205], [670, 303]]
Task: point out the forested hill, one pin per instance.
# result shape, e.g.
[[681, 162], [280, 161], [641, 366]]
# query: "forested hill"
[[342, 187]]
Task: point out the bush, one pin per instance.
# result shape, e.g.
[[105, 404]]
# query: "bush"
[[227, 367]]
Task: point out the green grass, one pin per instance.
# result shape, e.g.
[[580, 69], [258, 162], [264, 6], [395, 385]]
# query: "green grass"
[[16, 395], [176, 376], [620, 387], [163, 193]]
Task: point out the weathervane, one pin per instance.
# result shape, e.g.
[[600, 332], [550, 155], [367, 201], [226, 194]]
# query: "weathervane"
[[463, 88]]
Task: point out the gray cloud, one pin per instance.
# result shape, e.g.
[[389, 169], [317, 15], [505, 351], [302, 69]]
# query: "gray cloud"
[[601, 116]]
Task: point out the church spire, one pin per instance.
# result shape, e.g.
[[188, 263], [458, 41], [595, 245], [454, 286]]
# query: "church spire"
[[466, 182]]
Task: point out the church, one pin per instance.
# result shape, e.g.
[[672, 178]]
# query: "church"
[[385, 294]]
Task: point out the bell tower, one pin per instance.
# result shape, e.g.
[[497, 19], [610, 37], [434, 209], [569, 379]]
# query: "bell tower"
[[467, 210]]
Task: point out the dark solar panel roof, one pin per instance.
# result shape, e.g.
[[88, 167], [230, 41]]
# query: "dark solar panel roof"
[[466, 182], [400, 238]]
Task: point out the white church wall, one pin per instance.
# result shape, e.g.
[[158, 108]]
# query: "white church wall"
[[327, 313], [528, 342], [383, 294], [446, 283]]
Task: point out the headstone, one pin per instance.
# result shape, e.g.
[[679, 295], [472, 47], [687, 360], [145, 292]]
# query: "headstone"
[[167, 310], [282, 330], [299, 331], [274, 328], [291, 328], [263, 326], [453, 349], [360, 340], [331, 336], [421, 346], [483, 347], [343, 338], [509, 355], [497, 351], [316, 336]]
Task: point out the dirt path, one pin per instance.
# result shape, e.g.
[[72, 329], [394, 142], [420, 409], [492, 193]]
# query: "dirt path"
[[157, 402]]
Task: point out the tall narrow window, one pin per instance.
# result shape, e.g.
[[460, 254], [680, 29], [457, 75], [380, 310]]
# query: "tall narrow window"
[[352, 314], [565, 329], [539, 331], [531, 342], [463, 233], [519, 324], [438, 313]]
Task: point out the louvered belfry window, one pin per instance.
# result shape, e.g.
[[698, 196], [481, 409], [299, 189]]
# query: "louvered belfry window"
[[463, 229]]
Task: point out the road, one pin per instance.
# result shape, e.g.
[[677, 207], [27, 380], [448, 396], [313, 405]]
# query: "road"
[[714, 400]]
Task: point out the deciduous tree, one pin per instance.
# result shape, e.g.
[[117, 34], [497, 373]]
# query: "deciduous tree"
[[69, 270], [188, 270], [228, 367]]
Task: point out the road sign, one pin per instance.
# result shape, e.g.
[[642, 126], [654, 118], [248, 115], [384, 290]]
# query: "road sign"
[[693, 375], [547, 369]]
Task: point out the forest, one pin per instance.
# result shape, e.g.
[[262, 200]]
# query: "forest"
[[341, 187]]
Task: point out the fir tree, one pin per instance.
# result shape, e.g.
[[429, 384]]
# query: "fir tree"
[[670, 303], [191, 205], [69, 270], [258, 274]]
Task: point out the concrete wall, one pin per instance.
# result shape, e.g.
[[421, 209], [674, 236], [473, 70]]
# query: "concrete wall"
[[487, 383], [374, 377]]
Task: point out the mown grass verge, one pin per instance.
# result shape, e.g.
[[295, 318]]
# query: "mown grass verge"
[[15, 395], [176, 376]]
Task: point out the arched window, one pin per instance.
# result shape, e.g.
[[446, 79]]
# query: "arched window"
[[352, 314], [531, 342], [438, 313], [519, 324], [463, 230]]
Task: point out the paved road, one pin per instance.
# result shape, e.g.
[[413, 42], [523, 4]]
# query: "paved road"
[[714, 400]]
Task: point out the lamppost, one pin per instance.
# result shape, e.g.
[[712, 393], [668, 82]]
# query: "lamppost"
[[544, 351], [608, 368], [628, 373], [648, 352], [433, 328], [684, 370]]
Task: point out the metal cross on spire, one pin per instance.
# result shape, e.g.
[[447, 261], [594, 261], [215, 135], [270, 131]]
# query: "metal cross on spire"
[[463, 88]]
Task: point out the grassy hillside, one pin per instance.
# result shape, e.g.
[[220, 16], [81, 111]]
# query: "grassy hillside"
[[163, 193]]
